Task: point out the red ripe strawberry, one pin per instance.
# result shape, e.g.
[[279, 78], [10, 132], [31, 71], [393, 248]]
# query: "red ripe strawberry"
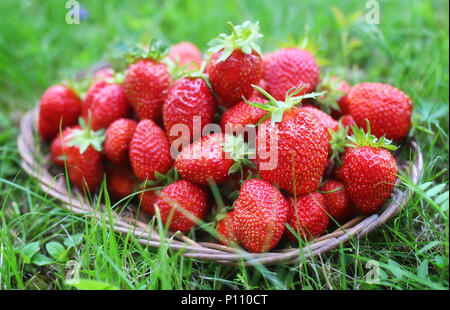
[[149, 151], [266, 62], [85, 161], [291, 67], [260, 215], [344, 87], [236, 118], [324, 119], [58, 106], [225, 233], [146, 85], [348, 122], [387, 108], [292, 146], [307, 216], [190, 203], [188, 98], [99, 80], [337, 203], [120, 181], [108, 105], [186, 54], [368, 171], [236, 63], [205, 160], [117, 142], [85, 169], [59, 145], [92, 91], [147, 199]]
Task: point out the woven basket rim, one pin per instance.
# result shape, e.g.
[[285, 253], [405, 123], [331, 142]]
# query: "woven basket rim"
[[137, 223]]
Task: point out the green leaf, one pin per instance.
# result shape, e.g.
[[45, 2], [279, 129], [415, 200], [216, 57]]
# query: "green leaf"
[[29, 250], [73, 241], [435, 190], [422, 271], [424, 186], [56, 250], [85, 284], [42, 260], [234, 168], [441, 198], [395, 269]]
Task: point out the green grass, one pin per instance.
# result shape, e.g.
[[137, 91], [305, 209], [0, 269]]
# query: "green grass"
[[408, 49]]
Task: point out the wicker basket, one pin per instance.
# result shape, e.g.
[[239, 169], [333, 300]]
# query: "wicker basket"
[[53, 182]]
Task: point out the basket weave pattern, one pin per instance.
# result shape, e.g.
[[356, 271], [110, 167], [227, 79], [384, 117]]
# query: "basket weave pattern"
[[53, 182]]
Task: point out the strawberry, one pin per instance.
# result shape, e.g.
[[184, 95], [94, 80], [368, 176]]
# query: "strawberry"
[[59, 145], [149, 151], [58, 106], [117, 140], [180, 204], [120, 181], [387, 108], [336, 199], [189, 100], [292, 146], [334, 101], [147, 198], [236, 118], [95, 88], [99, 80], [260, 214], [108, 105], [147, 82], [348, 122], [212, 158], [186, 54], [236, 63], [323, 118], [85, 161], [368, 171], [225, 233], [307, 216], [287, 68]]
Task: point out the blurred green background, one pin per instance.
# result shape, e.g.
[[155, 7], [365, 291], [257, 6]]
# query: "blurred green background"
[[408, 49]]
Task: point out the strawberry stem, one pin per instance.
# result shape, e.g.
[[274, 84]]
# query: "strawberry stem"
[[276, 108]]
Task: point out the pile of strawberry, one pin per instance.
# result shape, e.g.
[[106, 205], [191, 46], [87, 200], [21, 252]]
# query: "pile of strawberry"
[[321, 153]]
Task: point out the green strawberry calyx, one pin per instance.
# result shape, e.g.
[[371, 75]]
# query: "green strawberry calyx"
[[85, 137], [276, 108], [334, 93], [163, 179], [157, 50], [239, 151], [339, 141], [117, 78], [361, 139], [242, 38]]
